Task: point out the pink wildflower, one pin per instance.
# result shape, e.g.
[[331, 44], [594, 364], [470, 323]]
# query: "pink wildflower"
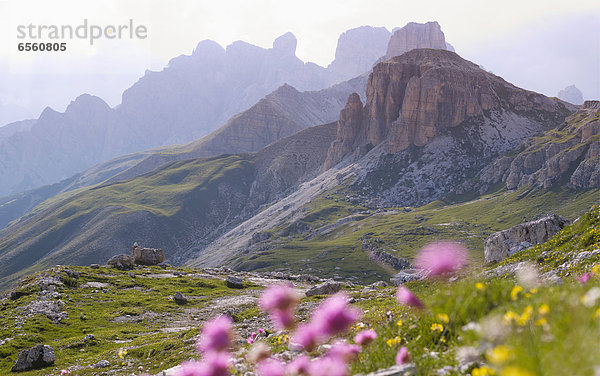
[[334, 316], [216, 335], [65, 372], [365, 337], [306, 337], [441, 258], [213, 364], [278, 297], [344, 351], [584, 278], [406, 297], [282, 319], [402, 357], [270, 367], [261, 330], [298, 366], [328, 366]]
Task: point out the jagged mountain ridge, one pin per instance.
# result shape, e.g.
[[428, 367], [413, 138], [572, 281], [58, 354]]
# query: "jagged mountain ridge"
[[188, 99]]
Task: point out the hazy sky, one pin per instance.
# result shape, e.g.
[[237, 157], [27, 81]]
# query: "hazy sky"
[[541, 45]]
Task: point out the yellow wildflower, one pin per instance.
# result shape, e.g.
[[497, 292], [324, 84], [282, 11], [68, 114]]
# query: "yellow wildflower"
[[525, 316], [544, 309], [437, 327], [393, 341], [509, 317], [399, 323], [514, 294], [443, 339], [122, 353], [515, 371], [499, 354], [597, 314], [480, 286], [596, 269], [533, 290], [282, 339], [483, 371], [541, 322], [443, 317]]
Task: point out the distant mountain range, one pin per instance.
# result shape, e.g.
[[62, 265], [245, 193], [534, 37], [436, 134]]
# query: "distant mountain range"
[[430, 123]]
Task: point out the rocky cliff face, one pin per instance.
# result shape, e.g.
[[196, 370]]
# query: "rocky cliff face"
[[415, 97], [568, 154], [358, 49], [416, 35]]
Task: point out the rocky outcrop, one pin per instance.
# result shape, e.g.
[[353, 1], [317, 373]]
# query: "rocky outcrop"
[[506, 243], [571, 94], [358, 49], [122, 262], [325, 288], [568, 153], [415, 97], [147, 256], [39, 356], [415, 35]]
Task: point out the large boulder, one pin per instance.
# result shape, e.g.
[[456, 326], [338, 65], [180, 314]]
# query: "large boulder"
[[38, 356], [506, 243], [123, 262], [325, 288], [147, 256]]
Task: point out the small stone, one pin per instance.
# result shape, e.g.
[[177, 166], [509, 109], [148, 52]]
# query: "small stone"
[[102, 364], [38, 356], [234, 282], [325, 288], [95, 266], [147, 256], [90, 337], [179, 298]]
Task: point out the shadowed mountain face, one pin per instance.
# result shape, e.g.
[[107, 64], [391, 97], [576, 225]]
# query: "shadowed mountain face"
[[208, 206], [188, 99]]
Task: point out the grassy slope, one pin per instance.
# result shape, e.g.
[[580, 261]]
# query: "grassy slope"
[[167, 194], [565, 342], [403, 233], [94, 310]]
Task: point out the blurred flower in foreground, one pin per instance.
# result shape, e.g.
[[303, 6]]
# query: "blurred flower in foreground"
[[437, 327], [216, 335], [441, 258], [306, 337], [280, 302], [406, 297], [344, 351], [334, 315], [298, 366], [402, 357], [270, 367], [365, 337], [514, 293], [590, 297], [483, 371], [499, 354], [328, 366], [528, 276], [480, 286], [515, 371], [443, 317]]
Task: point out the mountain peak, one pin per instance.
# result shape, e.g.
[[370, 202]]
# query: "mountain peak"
[[358, 49], [416, 35], [417, 96], [285, 44], [86, 102]]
